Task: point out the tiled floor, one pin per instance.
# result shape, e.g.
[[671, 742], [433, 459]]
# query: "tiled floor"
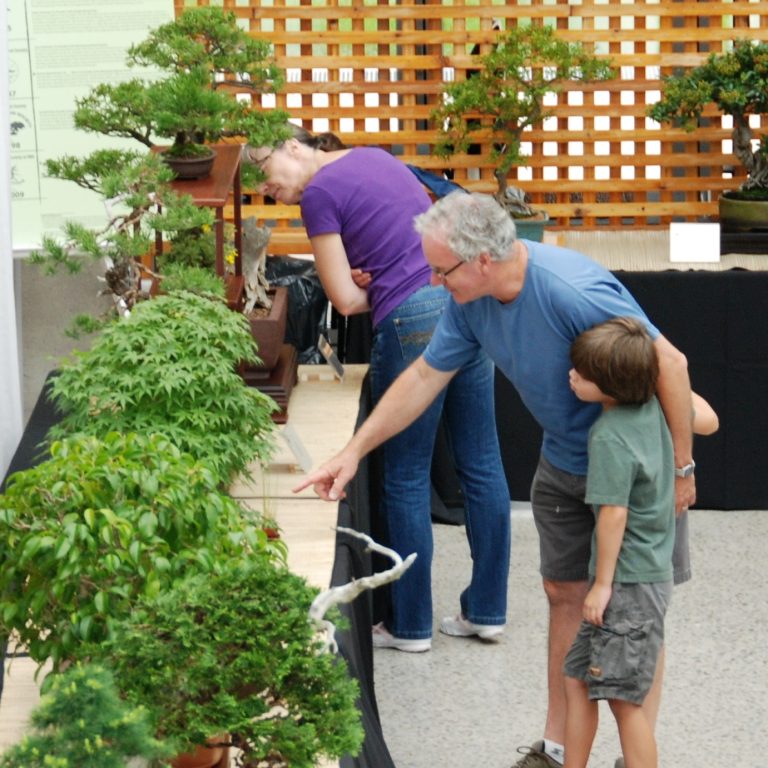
[[470, 705]]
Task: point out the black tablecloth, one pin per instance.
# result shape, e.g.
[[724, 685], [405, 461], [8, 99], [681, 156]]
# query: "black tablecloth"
[[718, 320]]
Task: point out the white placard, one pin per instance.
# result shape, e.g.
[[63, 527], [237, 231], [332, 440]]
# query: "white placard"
[[693, 241]]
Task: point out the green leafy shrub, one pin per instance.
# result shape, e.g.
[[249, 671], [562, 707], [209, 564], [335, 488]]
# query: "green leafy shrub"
[[736, 82], [102, 522], [171, 367], [198, 280], [235, 652], [81, 722]]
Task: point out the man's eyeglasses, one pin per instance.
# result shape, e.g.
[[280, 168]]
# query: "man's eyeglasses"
[[441, 275]]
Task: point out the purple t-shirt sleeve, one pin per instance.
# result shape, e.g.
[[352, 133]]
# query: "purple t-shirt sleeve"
[[370, 199]]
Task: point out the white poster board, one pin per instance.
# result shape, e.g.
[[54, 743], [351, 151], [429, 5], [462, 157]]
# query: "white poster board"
[[693, 241], [58, 50]]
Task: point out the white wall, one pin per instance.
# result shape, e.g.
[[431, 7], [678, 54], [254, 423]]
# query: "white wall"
[[10, 381]]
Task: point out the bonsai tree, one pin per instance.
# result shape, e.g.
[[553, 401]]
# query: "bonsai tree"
[[736, 82], [81, 722], [134, 185], [506, 96], [204, 55], [235, 653], [102, 522], [171, 367]]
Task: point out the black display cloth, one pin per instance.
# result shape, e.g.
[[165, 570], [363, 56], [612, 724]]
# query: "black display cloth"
[[717, 319]]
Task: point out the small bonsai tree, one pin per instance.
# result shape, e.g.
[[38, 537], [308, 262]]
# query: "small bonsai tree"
[[85, 533], [506, 96], [204, 55], [736, 82], [133, 186], [171, 367], [81, 722], [235, 652]]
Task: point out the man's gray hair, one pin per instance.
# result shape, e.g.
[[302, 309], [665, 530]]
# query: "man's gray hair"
[[469, 224]]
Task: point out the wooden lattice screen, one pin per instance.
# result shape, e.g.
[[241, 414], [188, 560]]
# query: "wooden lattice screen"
[[371, 71]]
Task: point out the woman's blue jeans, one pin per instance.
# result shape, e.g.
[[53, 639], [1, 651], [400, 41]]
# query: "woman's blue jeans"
[[468, 406]]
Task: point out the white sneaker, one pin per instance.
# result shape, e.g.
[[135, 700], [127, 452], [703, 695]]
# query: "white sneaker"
[[458, 626], [383, 638]]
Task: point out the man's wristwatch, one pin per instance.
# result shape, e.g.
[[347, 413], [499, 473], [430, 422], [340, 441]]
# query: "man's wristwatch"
[[685, 471]]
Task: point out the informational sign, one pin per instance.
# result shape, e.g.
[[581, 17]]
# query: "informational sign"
[[694, 242], [58, 51]]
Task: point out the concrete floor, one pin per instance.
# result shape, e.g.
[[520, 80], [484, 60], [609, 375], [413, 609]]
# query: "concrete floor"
[[470, 705]]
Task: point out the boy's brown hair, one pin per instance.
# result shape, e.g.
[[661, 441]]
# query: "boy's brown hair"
[[618, 356]]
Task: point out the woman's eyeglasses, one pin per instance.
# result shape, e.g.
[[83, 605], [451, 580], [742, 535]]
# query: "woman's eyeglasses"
[[262, 161]]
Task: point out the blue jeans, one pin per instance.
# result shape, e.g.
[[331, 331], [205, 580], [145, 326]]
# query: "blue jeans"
[[468, 406]]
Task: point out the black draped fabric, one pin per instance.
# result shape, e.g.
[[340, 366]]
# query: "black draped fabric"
[[29, 452], [717, 319]]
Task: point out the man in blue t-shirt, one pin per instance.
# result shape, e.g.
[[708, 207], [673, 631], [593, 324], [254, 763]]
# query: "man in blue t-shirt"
[[524, 303]]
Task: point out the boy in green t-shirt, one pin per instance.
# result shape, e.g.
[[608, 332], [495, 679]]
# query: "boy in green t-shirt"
[[630, 483]]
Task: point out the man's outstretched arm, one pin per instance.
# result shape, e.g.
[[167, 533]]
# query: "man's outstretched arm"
[[405, 400]]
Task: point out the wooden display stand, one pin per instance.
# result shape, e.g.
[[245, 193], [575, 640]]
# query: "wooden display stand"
[[214, 192]]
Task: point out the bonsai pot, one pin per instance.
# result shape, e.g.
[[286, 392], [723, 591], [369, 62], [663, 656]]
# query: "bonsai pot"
[[742, 214], [206, 756], [532, 228], [269, 330], [194, 167]]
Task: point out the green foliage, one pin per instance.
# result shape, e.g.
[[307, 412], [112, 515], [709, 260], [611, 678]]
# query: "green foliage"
[[197, 280], [736, 82], [171, 367], [506, 95], [202, 53], [234, 652], [136, 184], [99, 524], [82, 723]]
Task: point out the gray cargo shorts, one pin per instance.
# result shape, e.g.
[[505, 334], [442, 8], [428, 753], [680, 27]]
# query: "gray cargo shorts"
[[618, 660], [565, 524]]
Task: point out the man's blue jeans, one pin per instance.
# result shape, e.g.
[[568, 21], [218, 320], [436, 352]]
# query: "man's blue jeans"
[[468, 405]]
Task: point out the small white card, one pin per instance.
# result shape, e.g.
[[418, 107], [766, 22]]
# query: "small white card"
[[694, 241]]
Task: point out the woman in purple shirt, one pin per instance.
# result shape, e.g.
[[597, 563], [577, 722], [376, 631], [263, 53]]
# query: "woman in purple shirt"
[[358, 207]]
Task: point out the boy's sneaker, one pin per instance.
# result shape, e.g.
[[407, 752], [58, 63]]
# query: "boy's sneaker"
[[535, 757], [383, 638], [458, 626]]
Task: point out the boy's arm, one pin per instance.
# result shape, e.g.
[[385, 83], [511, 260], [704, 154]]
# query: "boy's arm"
[[705, 421], [609, 533]]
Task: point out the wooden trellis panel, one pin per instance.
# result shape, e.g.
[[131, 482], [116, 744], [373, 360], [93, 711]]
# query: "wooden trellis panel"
[[371, 71]]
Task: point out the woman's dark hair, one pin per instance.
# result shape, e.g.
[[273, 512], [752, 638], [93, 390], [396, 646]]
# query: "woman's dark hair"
[[618, 356], [325, 142]]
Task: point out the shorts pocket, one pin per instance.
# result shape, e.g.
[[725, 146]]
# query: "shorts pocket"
[[617, 651]]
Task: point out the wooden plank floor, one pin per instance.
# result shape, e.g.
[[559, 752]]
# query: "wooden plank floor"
[[321, 413]]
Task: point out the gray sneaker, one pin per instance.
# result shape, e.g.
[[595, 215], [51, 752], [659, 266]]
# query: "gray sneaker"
[[458, 626], [619, 763], [535, 757]]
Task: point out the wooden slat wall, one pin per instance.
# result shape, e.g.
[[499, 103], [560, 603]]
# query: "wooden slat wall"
[[371, 71]]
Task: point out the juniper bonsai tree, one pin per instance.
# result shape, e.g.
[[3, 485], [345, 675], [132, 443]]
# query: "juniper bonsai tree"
[[204, 55], [736, 82], [506, 96], [235, 653]]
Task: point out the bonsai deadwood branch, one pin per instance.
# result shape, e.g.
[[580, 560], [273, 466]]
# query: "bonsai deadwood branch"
[[348, 592]]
